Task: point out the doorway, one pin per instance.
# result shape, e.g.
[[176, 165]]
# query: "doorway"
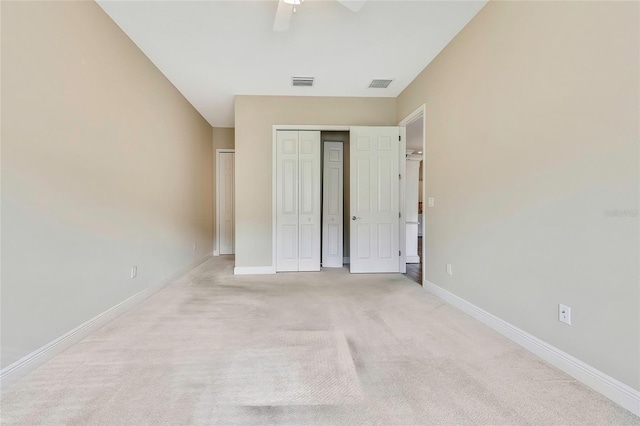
[[225, 201], [414, 184]]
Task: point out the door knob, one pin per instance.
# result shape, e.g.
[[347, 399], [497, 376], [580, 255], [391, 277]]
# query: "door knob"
[[355, 218]]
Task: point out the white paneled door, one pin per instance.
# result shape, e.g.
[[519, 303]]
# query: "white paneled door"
[[298, 201], [374, 200], [226, 227], [332, 205], [309, 213], [287, 199]]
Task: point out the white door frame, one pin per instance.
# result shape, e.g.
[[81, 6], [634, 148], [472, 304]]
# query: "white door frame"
[[402, 169], [216, 251], [417, 114], [274, 187]]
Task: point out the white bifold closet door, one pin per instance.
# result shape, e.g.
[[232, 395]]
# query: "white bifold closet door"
[[298, 201], [332, 205]]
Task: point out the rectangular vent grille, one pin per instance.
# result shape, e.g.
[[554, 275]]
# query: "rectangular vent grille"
[[380, 84], [302, 81]]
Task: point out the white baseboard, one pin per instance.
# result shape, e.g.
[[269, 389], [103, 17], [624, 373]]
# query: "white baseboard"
[[412, 259], [254, 270], [216, 253], [618, 392], [35, 359]]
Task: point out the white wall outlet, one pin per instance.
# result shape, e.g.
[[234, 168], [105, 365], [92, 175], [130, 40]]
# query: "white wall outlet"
[[431, 201], [449, 269], [134, 271], [564, 314]]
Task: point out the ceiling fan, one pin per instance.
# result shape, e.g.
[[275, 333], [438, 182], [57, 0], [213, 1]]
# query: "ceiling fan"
[[286, 9]]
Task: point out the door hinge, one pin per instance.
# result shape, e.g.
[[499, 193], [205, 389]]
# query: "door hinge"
[[400, 177], [399, 253], [399, 214], [399, 138]]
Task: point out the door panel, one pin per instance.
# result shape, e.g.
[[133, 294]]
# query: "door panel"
[[363, 238], [289, 191], [309, 214], [287, 199], [226, 235], [306, 242], [333, 205], [290, 243], [375, 203], [363, 195], [306, 186], [298, 201], [386, 183]]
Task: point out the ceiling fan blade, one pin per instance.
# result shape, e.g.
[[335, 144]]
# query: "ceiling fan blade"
[[283, 16], [353, 5]]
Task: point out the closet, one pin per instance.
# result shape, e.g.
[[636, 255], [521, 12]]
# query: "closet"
[[298, 204]]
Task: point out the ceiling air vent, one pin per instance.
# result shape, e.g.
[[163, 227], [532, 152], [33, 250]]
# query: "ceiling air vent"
[[380, 84], [302, 81]]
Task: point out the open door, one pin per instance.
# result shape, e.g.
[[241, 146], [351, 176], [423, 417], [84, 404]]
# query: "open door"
[[332, 205], [375, 200]]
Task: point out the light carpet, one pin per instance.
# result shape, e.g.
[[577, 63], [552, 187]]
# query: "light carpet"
[[326, 348]]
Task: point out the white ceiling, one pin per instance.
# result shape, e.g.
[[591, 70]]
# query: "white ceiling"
[[214, 50]]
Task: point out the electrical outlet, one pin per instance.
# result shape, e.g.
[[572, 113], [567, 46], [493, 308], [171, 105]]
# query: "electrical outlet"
[[134, 271], [449, 269], [564, 314], [431, 201]]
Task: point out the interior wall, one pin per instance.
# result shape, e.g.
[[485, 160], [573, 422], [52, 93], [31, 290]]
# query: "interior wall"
[[104, 166], [414, 135], [223, 138], [255, 117], [346, 190], [533, 159]]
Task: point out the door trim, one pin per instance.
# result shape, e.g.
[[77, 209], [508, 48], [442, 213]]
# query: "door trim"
[[417, 114], [216, 251], [402, 169]]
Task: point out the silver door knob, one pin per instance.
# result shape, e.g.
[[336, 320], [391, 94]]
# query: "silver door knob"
[[355, 218]]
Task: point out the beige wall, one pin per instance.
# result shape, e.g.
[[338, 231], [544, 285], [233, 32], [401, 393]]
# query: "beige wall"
[[223, 138], [255, 117], [104, 166], [532, 136]]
